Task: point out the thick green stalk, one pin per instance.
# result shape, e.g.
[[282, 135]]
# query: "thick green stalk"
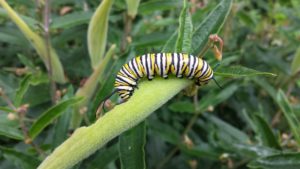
[[86, 140]]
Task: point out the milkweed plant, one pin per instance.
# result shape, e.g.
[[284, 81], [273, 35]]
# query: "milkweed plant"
[[52, 120]]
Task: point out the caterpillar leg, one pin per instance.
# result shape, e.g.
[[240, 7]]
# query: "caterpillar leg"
[[212, 40]]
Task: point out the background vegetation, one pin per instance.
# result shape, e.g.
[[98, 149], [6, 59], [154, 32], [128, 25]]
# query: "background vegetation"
[[253, 122]]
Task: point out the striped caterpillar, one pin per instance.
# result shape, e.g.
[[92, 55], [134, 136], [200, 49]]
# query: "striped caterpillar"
[[161, 64]]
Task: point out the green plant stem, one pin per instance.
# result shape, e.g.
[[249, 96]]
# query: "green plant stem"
[[48, 53], [86, 140]]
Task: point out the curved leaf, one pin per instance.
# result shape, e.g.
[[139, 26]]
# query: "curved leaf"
[[97, 32], [183, 43]]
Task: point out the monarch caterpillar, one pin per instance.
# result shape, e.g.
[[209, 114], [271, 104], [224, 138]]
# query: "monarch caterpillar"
[[161, 64]]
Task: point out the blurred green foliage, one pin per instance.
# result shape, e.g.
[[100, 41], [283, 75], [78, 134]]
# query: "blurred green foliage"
[[253, 122]]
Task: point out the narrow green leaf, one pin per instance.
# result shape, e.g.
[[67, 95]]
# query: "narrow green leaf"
[[183, 43], [47, 117], [11, 132], [131, 148], [240, 71], [289, 114], [21, 160], [71, 20], [266, 134], [211, 24], [132, 7], [280, 161], [296, 62], [97, 32], [23, 87], [38, 43]]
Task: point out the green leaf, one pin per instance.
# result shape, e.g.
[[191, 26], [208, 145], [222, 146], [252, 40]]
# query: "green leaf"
[[132, 7], [211, 24], [23, 87], [280, 161], [155, 5], [47, 117], [183, 43], [10, 132], [131, 148], [289, 114], [240, 71], [266, 134], [71, 20], [97, 32], [21, 160], [296, 62]]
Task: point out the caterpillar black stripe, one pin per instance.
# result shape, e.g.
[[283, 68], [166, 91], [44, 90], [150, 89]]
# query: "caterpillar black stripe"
[[161, 64]]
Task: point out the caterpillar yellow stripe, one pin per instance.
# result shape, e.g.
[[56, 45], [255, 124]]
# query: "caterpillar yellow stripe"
[[161, 64]]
